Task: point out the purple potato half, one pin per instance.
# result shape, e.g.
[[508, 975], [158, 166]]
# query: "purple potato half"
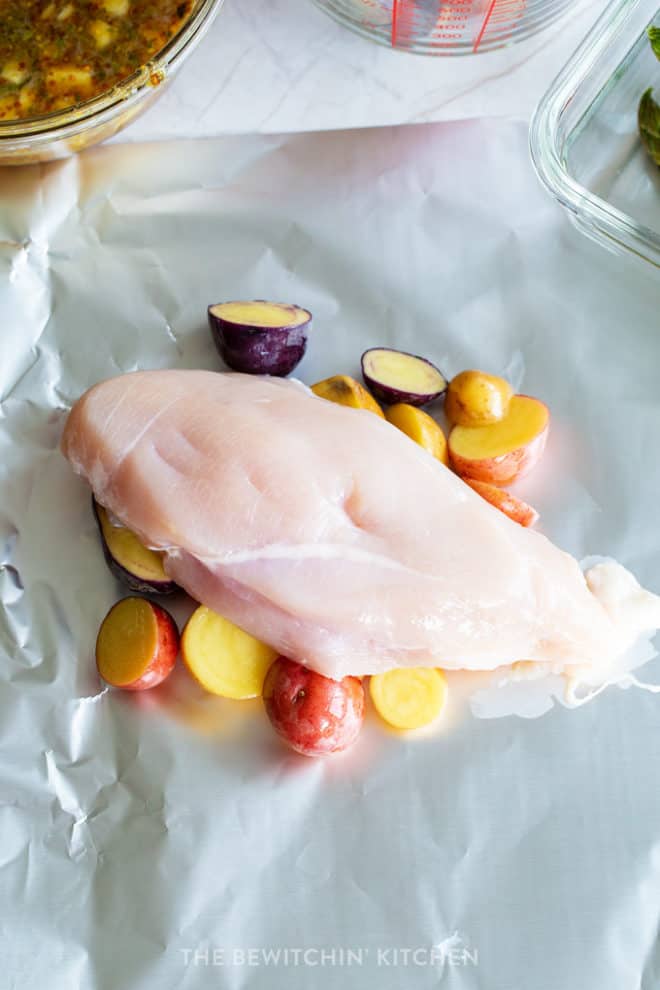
[[259, 337], [395, 376], [139, 568]]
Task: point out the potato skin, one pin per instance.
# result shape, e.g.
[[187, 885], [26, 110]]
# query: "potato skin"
[[260, 350], [379, 382], [346, 391], [313, 714], [163, 662], [503, 470], [509, 504], [475, 398]]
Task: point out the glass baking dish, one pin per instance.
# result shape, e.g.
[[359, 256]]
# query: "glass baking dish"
[[584, 139], [60, 134]]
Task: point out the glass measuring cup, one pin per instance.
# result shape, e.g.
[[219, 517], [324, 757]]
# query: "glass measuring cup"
[[444, 27]]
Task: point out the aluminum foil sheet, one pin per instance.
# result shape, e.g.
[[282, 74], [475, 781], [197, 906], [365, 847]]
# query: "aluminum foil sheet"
[[167, 840]]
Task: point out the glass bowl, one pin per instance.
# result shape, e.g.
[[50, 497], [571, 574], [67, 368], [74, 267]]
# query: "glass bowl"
[[60, 134], [584, 139], [445, 27]]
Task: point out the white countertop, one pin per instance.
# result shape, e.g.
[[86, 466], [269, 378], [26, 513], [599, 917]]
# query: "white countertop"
[[282, 65]]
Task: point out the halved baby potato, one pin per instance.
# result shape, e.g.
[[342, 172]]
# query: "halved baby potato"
[[346, 391], [139, 568], [409, 697], [137, 645], [224, 659], [396, 376], [501, 452], [421, 428], [259, 337]]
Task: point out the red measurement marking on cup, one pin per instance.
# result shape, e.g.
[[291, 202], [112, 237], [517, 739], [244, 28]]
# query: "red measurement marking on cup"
[[412, 21], [500, 17], [453, 21], [402, 12]]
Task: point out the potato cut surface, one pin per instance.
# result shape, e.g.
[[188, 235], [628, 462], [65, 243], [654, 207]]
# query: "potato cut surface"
[[420, 427], [525, 420], [127, 641], [261, 314], [224, 659], [127, 550], [403, 371], [409, 698]]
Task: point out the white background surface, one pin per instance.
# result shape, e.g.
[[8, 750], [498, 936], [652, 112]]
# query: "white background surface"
[[282, 65]]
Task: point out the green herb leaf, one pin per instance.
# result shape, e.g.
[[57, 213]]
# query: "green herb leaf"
[[648, 118], [654, 38]]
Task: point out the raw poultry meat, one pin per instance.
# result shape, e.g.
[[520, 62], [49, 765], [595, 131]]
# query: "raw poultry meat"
[[328, 534]]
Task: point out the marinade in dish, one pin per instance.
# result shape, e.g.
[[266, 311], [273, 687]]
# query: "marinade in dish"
[[55, 54]]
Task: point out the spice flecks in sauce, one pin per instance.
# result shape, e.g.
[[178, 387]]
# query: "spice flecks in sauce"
[[54, 55]]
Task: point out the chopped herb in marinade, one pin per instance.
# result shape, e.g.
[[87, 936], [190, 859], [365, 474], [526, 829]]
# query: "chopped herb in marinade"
[[57, 53]]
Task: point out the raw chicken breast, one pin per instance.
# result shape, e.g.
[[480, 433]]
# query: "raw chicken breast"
[[328, 534]]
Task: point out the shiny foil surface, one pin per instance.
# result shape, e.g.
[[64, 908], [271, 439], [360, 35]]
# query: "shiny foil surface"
[[166, 839]]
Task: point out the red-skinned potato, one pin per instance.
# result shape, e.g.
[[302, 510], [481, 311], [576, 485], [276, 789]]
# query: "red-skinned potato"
[[137, 645], [396, 376], [139, 568], [312, 713], [509, 504], [260, 337], [502, 452]]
